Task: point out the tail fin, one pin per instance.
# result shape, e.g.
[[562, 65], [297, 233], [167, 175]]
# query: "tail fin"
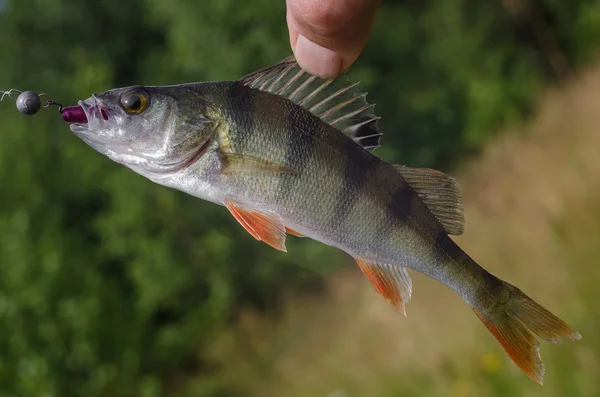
[[514, 323]]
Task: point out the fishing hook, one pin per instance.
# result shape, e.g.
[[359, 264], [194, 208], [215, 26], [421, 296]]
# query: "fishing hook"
[[9, 94], [28, 102]]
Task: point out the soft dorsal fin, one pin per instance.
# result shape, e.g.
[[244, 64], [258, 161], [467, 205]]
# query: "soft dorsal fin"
[[440, 193], [337, 101]]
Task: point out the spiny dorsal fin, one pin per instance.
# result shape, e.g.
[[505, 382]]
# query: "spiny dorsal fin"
[[337, 101], [440, 193]]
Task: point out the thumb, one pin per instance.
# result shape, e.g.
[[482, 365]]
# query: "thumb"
[[327, 36]]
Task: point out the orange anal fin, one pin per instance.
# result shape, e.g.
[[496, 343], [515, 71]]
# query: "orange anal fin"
[[293, 232], [392, 282], [263, 226]]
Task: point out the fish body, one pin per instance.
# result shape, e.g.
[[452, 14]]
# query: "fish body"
[[340, 194], [288, 153]]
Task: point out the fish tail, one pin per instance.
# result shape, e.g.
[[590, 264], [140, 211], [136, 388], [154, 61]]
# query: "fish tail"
[[515, 319]]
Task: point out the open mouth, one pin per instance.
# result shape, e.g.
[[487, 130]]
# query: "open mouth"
[[84, 113], [88, 120]]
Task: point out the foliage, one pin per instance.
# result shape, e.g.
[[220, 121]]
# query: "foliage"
[[113, 286]]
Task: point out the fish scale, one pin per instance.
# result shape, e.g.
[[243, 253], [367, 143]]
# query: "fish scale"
[[289, 153]]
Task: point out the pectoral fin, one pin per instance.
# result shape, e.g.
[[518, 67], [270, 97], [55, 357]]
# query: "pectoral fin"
[[263, 226], [235, 162], [392, 282]]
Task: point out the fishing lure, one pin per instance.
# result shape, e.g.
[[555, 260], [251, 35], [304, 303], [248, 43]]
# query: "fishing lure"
[[30, 103]]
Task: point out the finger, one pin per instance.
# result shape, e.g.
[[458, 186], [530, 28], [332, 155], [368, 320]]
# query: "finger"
[[327, 36]]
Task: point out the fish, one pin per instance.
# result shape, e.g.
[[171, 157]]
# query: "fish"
[[288, 153]]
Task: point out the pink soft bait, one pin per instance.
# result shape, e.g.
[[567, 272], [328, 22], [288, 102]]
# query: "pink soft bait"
[[74, 114]]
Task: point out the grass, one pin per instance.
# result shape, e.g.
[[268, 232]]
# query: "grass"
[[532, 204]]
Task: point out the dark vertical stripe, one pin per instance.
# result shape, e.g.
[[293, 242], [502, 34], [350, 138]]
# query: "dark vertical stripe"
[[299, 150], [241, 100], [400, 207], [353, 188], [444, 242], [403, 202]]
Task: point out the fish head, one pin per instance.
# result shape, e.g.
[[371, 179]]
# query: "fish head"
[[152, 130]]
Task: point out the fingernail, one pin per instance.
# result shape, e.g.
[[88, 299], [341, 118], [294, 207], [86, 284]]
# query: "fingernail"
[[317, 59]]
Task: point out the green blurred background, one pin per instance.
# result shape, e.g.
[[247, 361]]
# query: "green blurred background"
[[111, 285]]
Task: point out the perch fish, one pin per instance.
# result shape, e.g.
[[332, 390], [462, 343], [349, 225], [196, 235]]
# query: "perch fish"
[[288, 153]]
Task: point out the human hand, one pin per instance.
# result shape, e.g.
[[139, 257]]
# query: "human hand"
[[327, 36]]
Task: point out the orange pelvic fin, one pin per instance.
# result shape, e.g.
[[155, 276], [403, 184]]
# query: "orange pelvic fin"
[[293, 232], [263, 226], [392, 282], [514, 324]]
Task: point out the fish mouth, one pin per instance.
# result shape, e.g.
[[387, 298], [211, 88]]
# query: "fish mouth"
[[96, 119], [95, 113]]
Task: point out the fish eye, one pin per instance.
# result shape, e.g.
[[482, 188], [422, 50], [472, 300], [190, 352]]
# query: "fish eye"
[[135, 101]]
